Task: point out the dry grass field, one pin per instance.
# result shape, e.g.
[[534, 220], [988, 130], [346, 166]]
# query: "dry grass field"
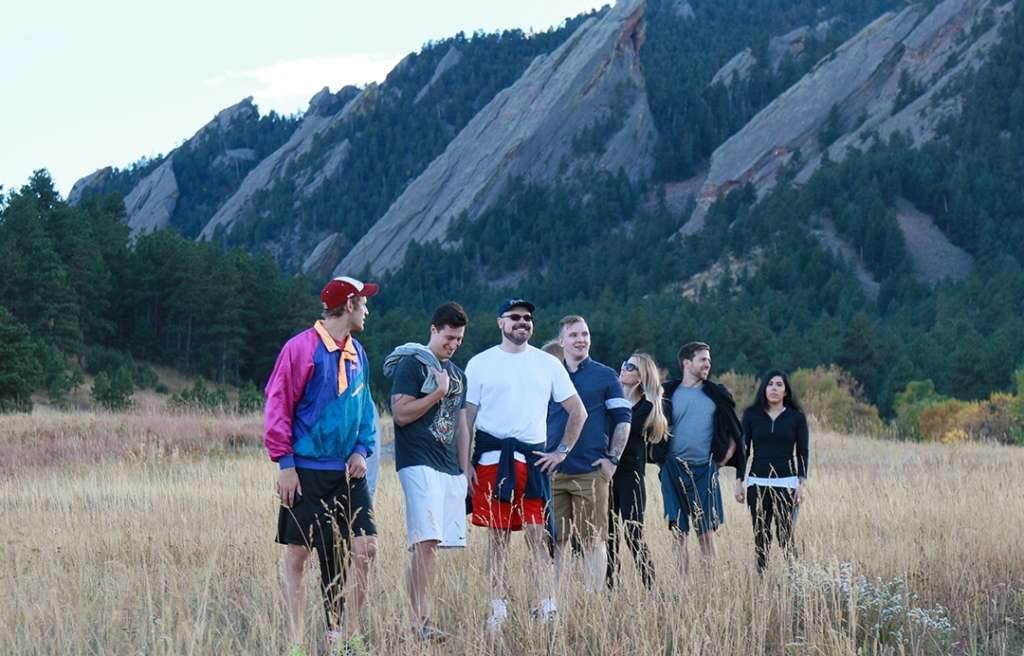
[[152, 534]]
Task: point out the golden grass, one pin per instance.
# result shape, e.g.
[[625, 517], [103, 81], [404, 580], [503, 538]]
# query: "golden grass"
[[168, 550]]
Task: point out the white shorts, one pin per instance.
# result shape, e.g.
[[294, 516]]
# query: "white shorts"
[[435, 506]]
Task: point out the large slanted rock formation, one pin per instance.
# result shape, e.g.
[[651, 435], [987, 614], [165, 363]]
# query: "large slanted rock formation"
[[866, 87], [326, 110], [529, 130], [920, 92], [84, 185], [151, 203]]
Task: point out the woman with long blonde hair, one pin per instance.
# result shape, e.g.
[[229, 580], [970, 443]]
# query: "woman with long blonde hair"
[[627, 499]]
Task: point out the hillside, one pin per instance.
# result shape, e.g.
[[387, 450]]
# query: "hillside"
[[827, 182]]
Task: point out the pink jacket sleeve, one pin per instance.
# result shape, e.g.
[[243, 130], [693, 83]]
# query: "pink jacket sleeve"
[[284, 389]]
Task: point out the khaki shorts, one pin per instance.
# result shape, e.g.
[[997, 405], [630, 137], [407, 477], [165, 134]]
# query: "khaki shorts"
[[579, 503]]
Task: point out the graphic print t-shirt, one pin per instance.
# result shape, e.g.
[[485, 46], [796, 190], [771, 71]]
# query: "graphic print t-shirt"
[[431, 439]]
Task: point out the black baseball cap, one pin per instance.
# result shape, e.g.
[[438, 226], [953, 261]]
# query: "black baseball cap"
[[515, 302]]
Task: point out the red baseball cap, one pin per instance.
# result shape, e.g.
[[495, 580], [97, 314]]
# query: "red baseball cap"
[[337, 291]]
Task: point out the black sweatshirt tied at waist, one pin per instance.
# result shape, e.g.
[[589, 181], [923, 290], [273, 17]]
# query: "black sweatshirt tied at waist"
[[538, 485]]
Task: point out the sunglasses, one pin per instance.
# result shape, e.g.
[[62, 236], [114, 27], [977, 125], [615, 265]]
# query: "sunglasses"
[[528, 318], [628, 366]]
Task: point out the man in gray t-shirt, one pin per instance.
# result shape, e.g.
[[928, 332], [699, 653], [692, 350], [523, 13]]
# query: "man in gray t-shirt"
[[689, 476], [693, 419]]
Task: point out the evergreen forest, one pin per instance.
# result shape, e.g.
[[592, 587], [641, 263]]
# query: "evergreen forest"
[[756, 282]]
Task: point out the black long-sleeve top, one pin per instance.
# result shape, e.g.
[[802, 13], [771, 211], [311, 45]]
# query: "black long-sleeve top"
[[634, 456], [775, 441]]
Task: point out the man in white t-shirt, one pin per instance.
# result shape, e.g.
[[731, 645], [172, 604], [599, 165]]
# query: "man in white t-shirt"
[[509, 387]]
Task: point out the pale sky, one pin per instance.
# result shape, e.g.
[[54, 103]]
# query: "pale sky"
[[92, 84]]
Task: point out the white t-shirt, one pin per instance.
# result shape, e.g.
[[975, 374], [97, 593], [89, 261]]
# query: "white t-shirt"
[[511, 392]]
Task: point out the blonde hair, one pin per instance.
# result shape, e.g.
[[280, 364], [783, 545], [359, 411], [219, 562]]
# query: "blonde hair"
[[656, 426], [552, 347]]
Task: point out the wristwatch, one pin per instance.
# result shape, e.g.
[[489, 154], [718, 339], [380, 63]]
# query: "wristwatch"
[[612, 459], [563, 449]]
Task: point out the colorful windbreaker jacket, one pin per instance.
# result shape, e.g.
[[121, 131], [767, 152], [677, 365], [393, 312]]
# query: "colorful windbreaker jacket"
[[319, 410]]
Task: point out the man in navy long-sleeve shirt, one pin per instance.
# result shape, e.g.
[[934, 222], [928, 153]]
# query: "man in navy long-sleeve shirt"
[[579, 486]]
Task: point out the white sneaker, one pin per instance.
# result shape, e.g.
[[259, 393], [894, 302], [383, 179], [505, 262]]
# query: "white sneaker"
[[499, 613]]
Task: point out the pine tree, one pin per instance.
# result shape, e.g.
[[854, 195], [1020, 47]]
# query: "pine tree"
[[19, 367]]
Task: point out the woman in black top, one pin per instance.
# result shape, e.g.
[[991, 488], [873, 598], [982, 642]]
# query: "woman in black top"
[[776, 428], [627, 498]]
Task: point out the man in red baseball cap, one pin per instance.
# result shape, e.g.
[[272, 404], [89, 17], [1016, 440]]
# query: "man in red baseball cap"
[[320, 426]]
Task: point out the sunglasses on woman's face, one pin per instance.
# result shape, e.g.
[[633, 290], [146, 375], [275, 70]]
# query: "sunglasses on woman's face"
[[528, 318], [628, 366]]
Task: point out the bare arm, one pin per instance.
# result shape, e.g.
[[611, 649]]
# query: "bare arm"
[[619, 438], [471, 410], [407, 409], [468, 415], [463, 441]]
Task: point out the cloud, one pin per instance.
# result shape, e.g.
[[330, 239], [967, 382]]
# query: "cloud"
[[287, 85]]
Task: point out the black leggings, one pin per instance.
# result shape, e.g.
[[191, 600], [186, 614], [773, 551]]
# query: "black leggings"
[[627, 500], [770, 505]]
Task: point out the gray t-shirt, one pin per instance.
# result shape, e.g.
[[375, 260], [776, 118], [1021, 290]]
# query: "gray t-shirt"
[[693, 421], [431, 439]]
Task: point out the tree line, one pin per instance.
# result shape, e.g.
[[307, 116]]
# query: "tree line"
[[73, 288]]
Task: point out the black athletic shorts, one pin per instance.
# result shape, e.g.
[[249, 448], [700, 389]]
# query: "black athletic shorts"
[[331, 505]]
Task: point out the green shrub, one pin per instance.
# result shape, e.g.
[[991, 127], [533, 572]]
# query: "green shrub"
[[102, 359], [201, 398], [113, 391], [909, 404], [836, 400], [144, 376], [250, 399]]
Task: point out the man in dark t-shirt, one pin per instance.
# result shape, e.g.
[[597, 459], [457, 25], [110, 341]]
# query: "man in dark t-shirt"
[[431, 440], [428, 398]]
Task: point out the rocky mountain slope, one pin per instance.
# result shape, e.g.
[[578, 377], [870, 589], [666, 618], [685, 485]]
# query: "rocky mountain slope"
[[568, 105], [530, 130]]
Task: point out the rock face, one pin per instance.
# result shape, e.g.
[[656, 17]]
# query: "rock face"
[[935, 56], [450, 60], [792, 44], [84, 185], [829, 237], [527, 131], [934, 257], [326, 110], [321, 261], [862, 81], [151, 203]]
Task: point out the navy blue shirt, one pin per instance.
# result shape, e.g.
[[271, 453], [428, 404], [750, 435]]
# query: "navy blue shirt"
[[601, 393]]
